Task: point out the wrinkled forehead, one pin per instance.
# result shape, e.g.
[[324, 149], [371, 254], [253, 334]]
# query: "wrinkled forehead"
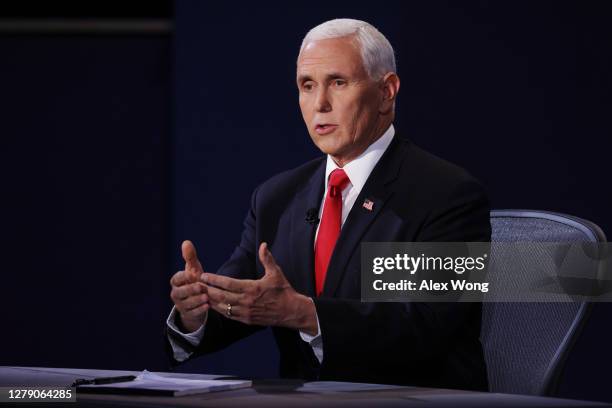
[[334, 54]]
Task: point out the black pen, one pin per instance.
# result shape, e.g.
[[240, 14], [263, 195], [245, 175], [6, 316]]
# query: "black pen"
[[103, 380]]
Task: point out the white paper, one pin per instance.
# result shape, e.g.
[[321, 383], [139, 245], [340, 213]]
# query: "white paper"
[[176, 386]]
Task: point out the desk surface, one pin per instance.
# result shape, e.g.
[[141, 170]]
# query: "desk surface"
[[279, 393]]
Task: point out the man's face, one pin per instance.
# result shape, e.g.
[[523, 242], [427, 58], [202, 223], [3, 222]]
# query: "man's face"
[[339, 101]]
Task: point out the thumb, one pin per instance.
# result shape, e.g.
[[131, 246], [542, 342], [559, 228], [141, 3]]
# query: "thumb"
[[193, 267], [267, 259]]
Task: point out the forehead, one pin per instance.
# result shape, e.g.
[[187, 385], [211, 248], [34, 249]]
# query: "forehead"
[[334, 54]]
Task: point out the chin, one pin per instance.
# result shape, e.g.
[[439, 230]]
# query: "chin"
[[327, 144], [328, 148]]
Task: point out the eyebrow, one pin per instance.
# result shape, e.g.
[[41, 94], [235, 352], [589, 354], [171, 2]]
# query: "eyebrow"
[[330, 76], [303, 78]]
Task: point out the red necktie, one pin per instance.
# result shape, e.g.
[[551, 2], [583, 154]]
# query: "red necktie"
[[329, 230]]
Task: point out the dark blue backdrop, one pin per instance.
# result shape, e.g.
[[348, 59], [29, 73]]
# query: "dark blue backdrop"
[[84, 222]]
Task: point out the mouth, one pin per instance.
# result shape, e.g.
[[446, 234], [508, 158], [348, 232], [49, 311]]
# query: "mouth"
[[325, 128]]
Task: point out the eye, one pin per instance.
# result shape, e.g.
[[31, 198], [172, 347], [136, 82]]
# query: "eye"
[[307, 86], [339, 82]]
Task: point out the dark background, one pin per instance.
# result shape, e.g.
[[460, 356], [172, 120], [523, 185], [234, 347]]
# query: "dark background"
[[117, 146]]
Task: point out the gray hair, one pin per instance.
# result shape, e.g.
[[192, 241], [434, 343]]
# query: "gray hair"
[[376, 51]]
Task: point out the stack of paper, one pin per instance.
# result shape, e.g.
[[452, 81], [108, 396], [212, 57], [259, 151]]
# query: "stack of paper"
[[154, 384]]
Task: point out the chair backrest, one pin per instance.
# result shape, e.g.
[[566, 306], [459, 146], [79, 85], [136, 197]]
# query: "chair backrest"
[[526, 344]]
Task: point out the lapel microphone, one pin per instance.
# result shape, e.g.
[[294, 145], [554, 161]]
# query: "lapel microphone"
[[312, 216]]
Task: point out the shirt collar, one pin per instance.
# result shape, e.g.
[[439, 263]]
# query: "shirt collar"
[[359, 169]]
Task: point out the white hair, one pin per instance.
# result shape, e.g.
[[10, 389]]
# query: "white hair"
[[376, 51]]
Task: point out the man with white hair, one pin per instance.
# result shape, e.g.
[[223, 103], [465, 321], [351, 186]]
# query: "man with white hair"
[[297, 267]]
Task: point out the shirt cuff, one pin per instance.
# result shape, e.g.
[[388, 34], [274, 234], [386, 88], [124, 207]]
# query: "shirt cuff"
[[194, 338], [316, 343]]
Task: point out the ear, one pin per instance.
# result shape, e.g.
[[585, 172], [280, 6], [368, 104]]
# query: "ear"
[[390, 85]]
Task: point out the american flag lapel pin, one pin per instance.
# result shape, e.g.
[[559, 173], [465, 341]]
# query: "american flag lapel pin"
[[368, 204]]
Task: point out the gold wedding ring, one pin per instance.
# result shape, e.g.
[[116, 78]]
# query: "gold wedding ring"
[[229, 310]]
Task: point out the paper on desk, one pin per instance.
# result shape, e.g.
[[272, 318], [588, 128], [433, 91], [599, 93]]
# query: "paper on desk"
[[150, 383]]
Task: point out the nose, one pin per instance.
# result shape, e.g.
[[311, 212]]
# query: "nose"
[[322, 103]]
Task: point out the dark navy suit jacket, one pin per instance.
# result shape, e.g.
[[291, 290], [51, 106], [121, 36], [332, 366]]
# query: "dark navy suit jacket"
[[417, 197]]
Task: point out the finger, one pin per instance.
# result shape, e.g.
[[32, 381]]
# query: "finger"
[[216, 295], [227, 283], [267, 259], [193, 302], [180, 293], [192, 263], [197, 312], [179, 279], [222, 309]]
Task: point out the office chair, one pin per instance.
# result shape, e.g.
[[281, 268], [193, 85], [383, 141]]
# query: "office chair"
[[526, 344]]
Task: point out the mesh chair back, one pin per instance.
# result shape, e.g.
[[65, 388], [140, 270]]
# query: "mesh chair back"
[[525, 344]]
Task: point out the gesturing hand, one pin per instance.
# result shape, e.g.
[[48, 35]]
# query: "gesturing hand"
[[188, 292], [269, 301]]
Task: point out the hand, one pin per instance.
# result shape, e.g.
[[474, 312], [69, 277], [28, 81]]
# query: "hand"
[[188, 292], [269, 301]]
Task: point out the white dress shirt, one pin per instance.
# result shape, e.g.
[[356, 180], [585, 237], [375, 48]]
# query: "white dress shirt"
[[358, 171]]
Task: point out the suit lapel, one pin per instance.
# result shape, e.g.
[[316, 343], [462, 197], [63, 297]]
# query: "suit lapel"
[[378, 190], [302, 232]]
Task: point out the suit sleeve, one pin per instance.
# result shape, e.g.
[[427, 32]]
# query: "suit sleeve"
[[402, 336], [220, 331]]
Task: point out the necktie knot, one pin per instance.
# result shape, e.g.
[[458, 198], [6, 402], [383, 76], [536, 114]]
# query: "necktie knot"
[[338, 180]]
